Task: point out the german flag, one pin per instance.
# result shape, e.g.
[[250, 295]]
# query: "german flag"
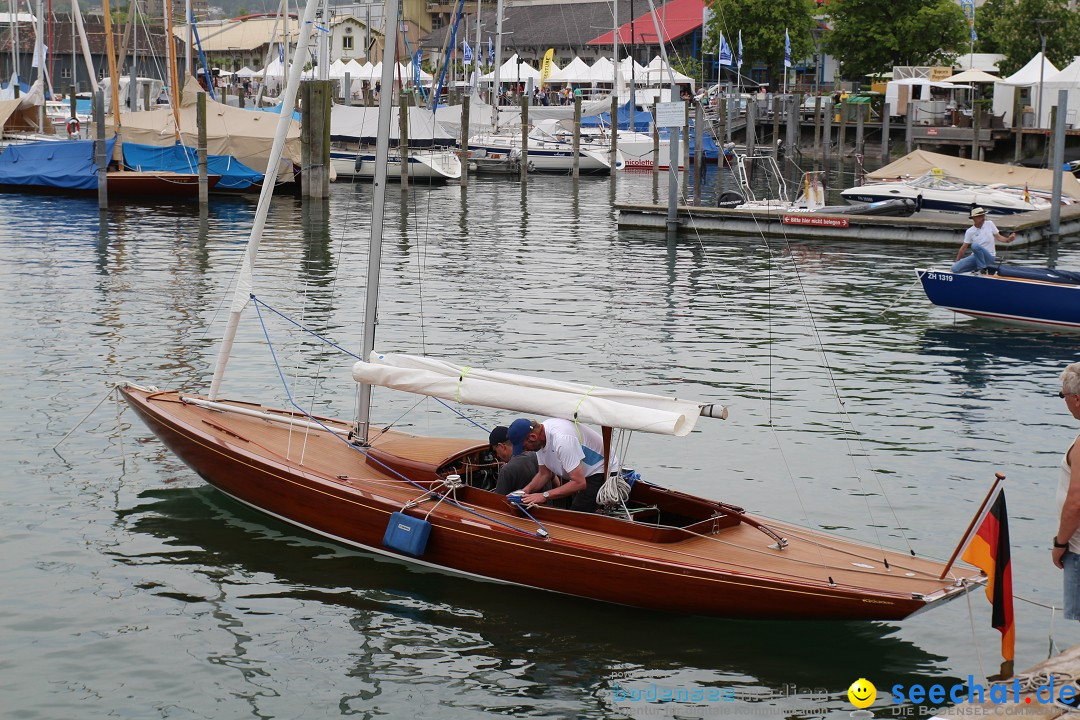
[[988, 550]]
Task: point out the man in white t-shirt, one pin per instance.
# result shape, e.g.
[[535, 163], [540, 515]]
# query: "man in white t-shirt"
[[566, 450], [980, 238]]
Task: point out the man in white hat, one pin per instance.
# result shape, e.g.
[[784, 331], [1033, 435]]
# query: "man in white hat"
[[980, 238]]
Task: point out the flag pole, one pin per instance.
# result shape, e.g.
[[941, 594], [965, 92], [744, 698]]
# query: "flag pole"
[[998, 478]]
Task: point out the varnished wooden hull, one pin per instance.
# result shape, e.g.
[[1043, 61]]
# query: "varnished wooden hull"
[[719, 566]]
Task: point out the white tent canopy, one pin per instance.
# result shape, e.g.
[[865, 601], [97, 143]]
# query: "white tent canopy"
[[628, 66], [1026, 77], [575, 71], [246, 72], [657, 73], [513, 70], [1067, 79]]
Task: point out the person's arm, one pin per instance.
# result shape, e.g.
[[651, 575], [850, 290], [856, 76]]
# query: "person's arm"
[[1006, 240], [1070, 511], [575, 482], [963, 249], [543, 477]]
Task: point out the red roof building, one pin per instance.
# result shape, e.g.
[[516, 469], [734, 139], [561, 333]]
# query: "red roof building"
[[676, 19]]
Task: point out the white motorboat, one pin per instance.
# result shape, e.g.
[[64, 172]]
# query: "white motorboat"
[[937, 192], [353, 131], [351, 160], [547, 152]]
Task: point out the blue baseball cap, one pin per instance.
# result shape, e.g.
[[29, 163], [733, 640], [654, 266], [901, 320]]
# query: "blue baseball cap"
[[517, 432]]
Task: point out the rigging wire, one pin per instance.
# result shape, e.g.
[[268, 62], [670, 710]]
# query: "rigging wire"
[[816, 333]]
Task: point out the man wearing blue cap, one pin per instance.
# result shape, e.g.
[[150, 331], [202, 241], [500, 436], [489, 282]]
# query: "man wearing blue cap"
[[518, 468], [566, 450]]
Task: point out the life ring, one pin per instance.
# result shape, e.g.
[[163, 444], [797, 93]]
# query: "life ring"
[[73, 126]]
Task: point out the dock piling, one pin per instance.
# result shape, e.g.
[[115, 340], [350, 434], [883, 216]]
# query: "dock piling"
[[1018, 125], [614, 132], [909, 129], [885, 119], [777, 104], [817, 126], [656, 147], [577, 137], [699, 151], [403, 139], [465, 142], [99, 149], [524, 175], [200, 123], [686, 151], [1059, 162]]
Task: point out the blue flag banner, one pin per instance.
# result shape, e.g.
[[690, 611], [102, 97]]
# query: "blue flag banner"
[[281, 53], [468, 52], [787, 49], [416, 68], [724, 56], [968, 6], [491, 52], [738, 59]]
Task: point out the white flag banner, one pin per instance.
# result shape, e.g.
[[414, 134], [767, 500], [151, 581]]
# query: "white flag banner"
[[37, 60]]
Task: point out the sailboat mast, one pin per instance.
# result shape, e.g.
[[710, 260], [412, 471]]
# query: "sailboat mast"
[[39, 57], [378, 201], [477, 52], [174, 95], [87, 57], [244, 282], [498, 62], [110, 51], [188, 39]]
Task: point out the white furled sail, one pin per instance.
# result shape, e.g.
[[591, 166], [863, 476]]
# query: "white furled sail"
[[608, 407]]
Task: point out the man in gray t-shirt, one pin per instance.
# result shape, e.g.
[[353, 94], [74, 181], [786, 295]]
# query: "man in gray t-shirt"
[[517, 470]]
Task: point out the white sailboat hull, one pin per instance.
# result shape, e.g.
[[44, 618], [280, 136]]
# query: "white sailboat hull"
[[432, 164]]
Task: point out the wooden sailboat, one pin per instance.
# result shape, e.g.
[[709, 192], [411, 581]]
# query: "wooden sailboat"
[[423, 499]]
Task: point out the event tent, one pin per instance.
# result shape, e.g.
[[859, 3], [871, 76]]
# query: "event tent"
[[1026, 77], [1067, 79], [513, 70]]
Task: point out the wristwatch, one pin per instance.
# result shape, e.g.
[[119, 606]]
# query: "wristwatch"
[[1060, 545], [546, 496]]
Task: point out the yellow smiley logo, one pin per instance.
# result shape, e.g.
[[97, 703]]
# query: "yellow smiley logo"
[[862, 693]]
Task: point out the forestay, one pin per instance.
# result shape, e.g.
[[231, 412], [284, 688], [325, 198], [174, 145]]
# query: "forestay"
[[608, 407]]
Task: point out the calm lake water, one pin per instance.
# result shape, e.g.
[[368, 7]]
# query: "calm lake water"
[[132, 590]]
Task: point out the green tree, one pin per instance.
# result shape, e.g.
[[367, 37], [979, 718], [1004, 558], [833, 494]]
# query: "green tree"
[[1014, 31], [762, 23], [871, 36]]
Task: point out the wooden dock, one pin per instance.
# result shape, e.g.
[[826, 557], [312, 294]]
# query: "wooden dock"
[[1029, 706], [930, 229]]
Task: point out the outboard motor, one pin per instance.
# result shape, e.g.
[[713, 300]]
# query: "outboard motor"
[[729, 199]]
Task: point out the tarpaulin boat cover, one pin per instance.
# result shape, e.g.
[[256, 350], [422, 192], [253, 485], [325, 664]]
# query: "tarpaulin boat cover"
[[182, 159], [67, 164], [1067, 277], [918, 163], [361, 124], [245, 135], [642, 118]]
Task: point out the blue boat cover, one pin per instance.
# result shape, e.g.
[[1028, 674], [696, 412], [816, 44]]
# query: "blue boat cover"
[[66, 164], [182, 159], [1068, 277], [642, 119]]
